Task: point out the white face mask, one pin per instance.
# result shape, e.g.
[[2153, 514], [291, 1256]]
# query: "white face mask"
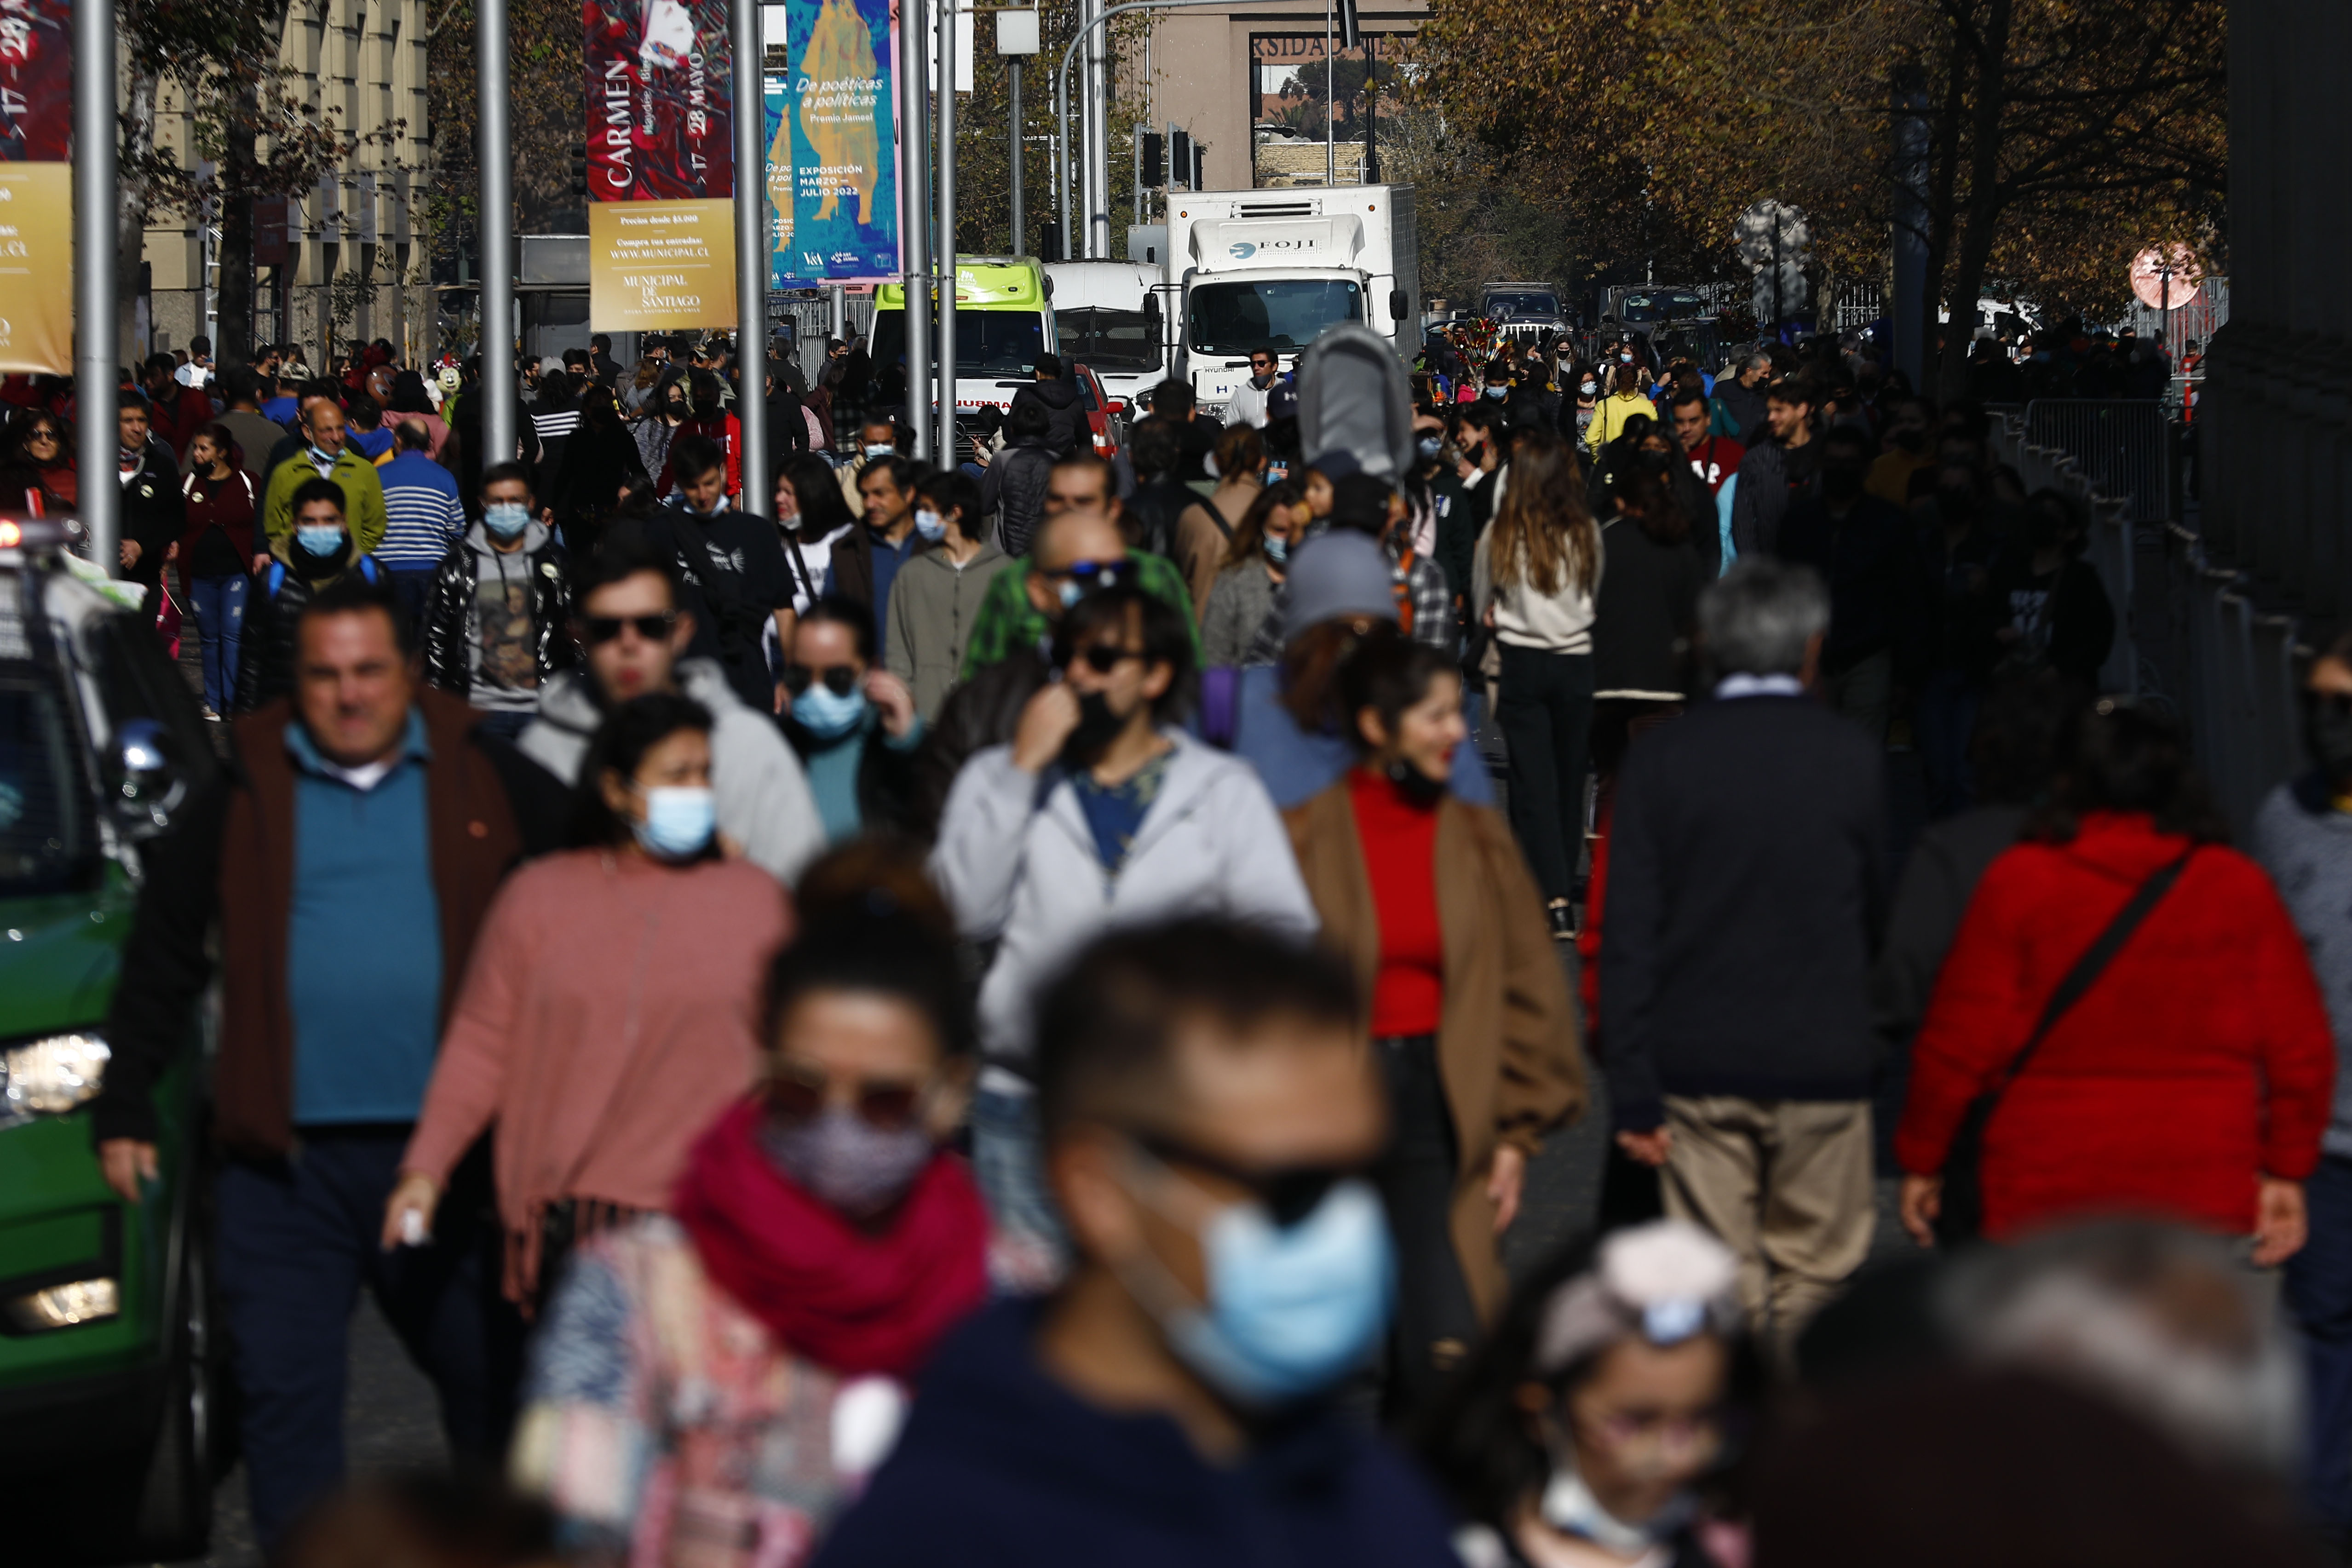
[[1570, 1507]]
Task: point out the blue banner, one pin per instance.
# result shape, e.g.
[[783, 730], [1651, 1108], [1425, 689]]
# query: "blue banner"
[[833, 176]]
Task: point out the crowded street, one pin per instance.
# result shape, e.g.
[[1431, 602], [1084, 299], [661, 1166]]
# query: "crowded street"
[[1423, 789]]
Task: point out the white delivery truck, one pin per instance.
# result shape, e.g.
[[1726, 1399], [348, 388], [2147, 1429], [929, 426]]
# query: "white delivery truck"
[[1274, 269], [1109, 316]]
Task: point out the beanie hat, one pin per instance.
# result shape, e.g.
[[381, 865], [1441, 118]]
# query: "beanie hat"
[[1337, 574]]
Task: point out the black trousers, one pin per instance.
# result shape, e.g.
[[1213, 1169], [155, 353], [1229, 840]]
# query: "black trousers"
[[1544, 706], [1436, 1323]]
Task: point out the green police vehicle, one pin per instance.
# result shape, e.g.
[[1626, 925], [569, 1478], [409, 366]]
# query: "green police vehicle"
[[111, 1425]]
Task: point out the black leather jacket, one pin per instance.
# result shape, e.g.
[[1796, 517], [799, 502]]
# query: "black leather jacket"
[[265, 649], [448, 661], [983, 711]]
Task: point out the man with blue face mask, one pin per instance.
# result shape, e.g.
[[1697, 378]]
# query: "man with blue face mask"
[[854, 726], [317, 552], [498, 622], [1211, 1110]]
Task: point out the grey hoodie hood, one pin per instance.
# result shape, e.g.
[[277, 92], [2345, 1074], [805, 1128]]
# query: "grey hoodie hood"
[[535, 536]]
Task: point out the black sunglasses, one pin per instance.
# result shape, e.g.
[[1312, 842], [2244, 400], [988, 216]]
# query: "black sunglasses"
[[1090, 575], [1104, 657], [797, 1095], [839, 679], [1289, 1194], [652, 628]]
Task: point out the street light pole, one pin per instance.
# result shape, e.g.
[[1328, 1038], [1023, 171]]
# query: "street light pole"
[[493, 154], [97, 350], [750, 257], [1062, 106], [1014, 62], [914, 176], [1094, 129], [1330, 109], [947, 234]]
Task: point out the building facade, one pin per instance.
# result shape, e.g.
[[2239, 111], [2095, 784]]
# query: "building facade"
[[347, 258]]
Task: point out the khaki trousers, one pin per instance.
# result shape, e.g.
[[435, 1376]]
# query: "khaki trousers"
[[1786, 1184]]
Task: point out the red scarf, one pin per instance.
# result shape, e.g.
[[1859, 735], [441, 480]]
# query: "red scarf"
[[856, 1302]]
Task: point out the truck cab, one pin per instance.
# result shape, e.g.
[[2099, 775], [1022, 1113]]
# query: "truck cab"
[[110, 1369], [1277, 268], [1111, 318]]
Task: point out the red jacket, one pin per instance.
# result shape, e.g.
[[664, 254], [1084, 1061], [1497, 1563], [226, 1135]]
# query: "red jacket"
[[178, 418], [724, 429], [2198, 1061]]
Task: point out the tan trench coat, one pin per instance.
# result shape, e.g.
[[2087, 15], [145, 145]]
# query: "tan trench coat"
[[1507, 1047]]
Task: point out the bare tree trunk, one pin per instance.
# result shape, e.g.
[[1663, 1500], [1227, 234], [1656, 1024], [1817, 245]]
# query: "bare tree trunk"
[[1980, 228], [134, 199], [236, 328]]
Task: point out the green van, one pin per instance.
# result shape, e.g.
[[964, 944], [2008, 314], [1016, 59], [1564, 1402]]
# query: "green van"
[[112, 1420]]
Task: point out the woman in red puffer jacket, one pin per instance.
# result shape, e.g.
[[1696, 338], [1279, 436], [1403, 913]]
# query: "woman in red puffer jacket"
[[2190, 1082]]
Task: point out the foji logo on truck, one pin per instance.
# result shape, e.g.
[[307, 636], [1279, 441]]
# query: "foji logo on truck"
[[1242, 250]]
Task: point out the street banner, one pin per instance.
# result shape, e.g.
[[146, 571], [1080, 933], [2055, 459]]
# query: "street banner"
[[658, 266], [660, 101], [36, 81], [37, 267], [832, 139]]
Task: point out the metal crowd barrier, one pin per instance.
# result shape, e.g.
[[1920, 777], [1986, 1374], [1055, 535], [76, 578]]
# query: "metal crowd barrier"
[[2123, 444], [2189, 634]]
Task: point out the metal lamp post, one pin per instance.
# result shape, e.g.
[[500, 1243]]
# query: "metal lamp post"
[[97, 350], [750, 256], [492, 153], [1016, 38], [945, 412]]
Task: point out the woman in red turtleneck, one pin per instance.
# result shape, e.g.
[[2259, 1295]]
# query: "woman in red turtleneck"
[[1431, 901]]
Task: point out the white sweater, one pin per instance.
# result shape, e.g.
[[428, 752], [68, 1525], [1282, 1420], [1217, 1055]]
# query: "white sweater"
[[1527, 617]]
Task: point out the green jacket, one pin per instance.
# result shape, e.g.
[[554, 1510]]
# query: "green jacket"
[[363, 498], [1006, 621]]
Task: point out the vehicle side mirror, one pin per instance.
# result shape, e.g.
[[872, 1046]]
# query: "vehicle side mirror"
[[1399, 303], [150, 780]]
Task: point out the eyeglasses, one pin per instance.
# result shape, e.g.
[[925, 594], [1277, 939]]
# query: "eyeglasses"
[[839, 679], [652, 628], [42, 434], [798, 1094], [1287, 1195]]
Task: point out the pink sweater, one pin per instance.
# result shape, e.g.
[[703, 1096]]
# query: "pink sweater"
[[609, 1013]]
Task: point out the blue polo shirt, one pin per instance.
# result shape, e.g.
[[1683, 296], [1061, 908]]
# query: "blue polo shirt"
[[888, 560], [363, 938]]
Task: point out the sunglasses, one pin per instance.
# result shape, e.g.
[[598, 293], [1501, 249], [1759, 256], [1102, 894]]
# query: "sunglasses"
[[1287, 1196], [1090, 575], [797, 1094], [1104, 657], [652, 628], [839, 679]]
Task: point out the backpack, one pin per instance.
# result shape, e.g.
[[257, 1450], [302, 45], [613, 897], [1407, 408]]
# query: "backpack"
[[275, 578]]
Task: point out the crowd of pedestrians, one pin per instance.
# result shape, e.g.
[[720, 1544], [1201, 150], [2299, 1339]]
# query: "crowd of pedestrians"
[[868, 1013]]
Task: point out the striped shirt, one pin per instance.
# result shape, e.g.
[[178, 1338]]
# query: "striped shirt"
[[422, 514]]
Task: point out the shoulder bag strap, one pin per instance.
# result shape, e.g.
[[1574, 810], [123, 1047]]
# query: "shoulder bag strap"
[[2095, 960]]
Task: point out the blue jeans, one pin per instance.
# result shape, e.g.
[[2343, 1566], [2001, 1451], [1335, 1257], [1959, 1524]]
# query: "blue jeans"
[[220, 625], [2319, 1295], [298, 1237], [1008, 1156]]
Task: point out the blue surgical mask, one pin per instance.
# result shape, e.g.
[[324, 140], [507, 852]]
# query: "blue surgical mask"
[[1292, 1309], [827, 716], [320, 454], [1498, 391], [1277, 549], [878, 449], [679, 821], [505, 519], [1430, 445], [1589, 388], [932, 527], [320, 539]]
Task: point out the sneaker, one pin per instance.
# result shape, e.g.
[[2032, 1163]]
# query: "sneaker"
[[1563, 921]]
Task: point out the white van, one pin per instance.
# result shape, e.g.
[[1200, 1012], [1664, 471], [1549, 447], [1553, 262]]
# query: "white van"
[[1110, 316]]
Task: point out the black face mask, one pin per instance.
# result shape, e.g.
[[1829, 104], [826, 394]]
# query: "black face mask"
[[1098, 727], [1418, 787], [1842, 481], [2327, 730]]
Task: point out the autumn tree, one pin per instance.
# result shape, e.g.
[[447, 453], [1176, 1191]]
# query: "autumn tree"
[[2061, 134]]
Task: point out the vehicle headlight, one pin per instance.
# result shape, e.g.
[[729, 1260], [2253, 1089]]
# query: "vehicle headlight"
[[65, 1306], [50, 1076]]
